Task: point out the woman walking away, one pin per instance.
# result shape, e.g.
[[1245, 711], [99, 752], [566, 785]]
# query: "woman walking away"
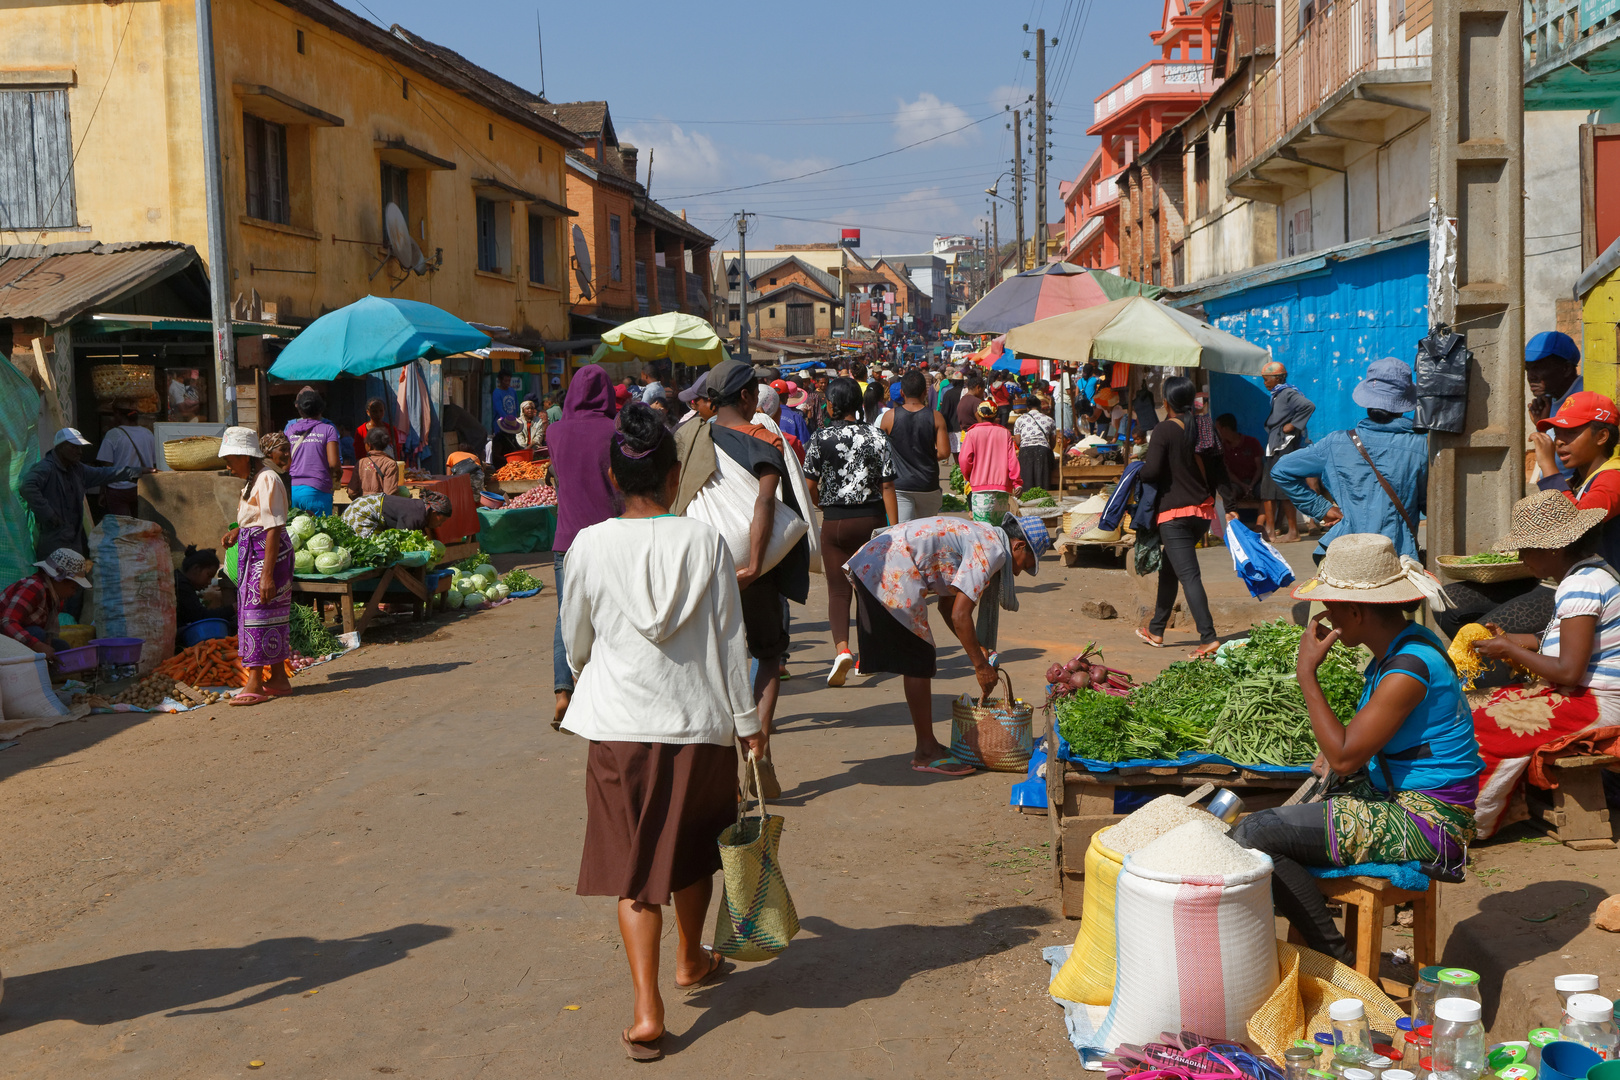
[[919, 442], [989, 463], [653, 626], [1186, 483], [1410, 745], [264, 561], [315, 467], [964, 563], [579, 464], [851, 474], [1033, 431]]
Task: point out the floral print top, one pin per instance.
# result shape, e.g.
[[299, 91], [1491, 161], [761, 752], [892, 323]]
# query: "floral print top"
[[850, 463], [1034, 428], [903, 565]]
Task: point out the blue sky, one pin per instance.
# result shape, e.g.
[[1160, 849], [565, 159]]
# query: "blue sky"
[[725, 94]]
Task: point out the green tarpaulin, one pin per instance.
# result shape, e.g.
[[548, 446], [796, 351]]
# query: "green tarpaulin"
[[19, 451], [526, 529]]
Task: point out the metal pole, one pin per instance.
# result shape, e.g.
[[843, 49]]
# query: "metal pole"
[[219, 267], [742, 300], [1040, 147], [1018, 183], [995, 229]]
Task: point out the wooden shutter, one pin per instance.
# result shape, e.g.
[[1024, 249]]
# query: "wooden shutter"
[[253, 164], [275, 173], [36, 168]]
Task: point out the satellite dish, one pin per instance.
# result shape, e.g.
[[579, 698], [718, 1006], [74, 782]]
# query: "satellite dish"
[[400, 244], [582, 264]]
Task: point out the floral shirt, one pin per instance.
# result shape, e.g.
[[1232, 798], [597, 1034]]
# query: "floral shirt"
[[903, 565], [1034, 428], [850, 463]]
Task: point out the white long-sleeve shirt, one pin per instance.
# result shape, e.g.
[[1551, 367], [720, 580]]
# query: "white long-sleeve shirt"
[[652, 624]]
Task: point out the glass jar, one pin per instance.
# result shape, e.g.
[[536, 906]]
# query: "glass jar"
[[1418, 1047], [1517, 1072], [1398, 1074], [1351, 1035], [1353, 1073], [1538, 1038], [1348, 1059], [1505, 1054], [1568, 986], [1378, 1064], [1459, 1039], [1299, 1061], [1589, 1020], [1424, 995], [1460, 983]]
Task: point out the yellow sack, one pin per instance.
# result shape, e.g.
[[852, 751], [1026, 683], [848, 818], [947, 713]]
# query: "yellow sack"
[[1298, 1008], [1087, 976]]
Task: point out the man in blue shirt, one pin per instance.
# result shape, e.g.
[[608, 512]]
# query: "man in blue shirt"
[[1552, 367], [1397, 452]]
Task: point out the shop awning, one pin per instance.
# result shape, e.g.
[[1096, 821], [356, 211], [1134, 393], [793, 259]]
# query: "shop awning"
[[112, 324], [58, 283]]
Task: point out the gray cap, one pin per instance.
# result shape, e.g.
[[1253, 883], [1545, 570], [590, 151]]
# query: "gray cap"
[[696, 390], [1387, 387]]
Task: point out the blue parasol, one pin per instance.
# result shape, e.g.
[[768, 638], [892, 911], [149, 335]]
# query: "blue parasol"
[[373, 334]]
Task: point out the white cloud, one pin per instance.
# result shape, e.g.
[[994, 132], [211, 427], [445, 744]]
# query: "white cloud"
[[681, 160], [928, 117]]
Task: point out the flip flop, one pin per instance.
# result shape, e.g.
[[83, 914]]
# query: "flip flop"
[[938, 766], [1204, 650], [715, 971], [243, 698], [279, 693], [649, 1050], [1143, 634]]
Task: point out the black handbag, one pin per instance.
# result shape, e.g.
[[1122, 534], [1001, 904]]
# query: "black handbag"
[[1441, 375]]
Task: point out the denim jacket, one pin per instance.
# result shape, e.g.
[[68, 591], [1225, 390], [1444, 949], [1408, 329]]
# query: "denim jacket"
[[1400, 453]]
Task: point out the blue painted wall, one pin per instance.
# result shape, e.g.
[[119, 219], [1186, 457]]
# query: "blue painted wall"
[[1327, 326]]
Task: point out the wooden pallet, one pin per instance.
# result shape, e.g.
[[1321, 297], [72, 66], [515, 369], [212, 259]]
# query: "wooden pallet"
[[1083, 805], [1070, 547], [1575, 813]]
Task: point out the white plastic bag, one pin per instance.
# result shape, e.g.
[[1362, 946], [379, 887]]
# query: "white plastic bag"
[[25, 688], [727, 503]]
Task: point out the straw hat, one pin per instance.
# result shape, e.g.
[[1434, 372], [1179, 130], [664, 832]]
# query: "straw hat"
[[1547, 520], [66, 563], [241, 441], [1363, 568]]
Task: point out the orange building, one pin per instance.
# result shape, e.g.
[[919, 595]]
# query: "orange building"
[[1131, 116]]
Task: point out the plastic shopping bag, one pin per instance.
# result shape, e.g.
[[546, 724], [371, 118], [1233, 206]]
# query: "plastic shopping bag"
[[1259, 566]]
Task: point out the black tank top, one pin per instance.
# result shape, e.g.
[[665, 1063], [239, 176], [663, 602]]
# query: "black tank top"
[[911, 441]]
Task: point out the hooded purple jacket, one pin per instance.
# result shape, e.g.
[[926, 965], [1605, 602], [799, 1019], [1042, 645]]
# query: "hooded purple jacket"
[[579, 444]]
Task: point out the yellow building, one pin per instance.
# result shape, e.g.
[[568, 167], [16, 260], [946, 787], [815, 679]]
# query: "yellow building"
[[325, 119], [1599, 293]]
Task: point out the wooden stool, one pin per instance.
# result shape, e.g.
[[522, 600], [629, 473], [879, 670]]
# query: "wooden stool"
[[1365, 899]]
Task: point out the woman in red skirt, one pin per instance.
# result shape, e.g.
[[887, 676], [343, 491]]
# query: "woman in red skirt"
[[652, 625]]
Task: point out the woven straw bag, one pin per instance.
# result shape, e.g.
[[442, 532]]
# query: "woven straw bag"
[[123, 382], [992, 735], [193, 453], [756, 918]]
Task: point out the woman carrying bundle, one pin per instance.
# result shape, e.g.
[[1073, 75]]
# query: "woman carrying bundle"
[[1574, 661], [264, 561], [1409, 752]]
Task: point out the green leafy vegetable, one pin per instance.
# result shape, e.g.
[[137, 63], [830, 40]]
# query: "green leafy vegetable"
[[949, 503], [1192, 689], [1274, 647], [1104, 727], [471, 562], [521, 581], [1487, 558], [1264, 722], [958, 481], [309, 635]]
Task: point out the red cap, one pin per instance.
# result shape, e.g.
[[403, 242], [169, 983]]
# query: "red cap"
[[1586, 407], [621, 392], [781, 386]]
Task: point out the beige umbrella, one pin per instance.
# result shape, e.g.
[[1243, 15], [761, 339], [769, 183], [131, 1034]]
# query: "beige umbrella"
[[1135, 330]]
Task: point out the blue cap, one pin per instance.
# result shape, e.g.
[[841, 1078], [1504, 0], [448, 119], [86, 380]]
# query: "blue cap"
[[1388, 386], [1033, 531], [1552, 345]]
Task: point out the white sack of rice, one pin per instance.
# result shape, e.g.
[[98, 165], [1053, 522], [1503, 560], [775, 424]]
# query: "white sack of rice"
[[1152, 821], [1196, 849]]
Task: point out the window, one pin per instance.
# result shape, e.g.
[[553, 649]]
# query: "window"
[[494, 236], [300, 42], [615, 252], [1397, 12], [36, 182], [1201, 179], [773, 281], [773, 313], [542, 249], [264, 161], [396, 188]]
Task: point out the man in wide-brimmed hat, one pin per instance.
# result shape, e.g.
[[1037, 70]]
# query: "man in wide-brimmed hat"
[[1378, 471]]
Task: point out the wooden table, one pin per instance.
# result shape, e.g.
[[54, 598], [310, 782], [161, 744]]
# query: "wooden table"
[[1575, 812], [341, 587]]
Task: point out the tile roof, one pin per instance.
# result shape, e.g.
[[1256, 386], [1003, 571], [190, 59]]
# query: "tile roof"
[[761, 267], [583, 118], [59, 282], [482, 77]]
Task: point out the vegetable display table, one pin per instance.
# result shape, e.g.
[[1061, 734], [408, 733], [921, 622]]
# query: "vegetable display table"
[[372, 580], [1082, 804]]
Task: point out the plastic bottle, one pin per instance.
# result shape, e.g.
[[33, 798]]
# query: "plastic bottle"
[[1460, 983], [1351, 1036], [1589, 1020], [1570, 985], [1459, 1039]]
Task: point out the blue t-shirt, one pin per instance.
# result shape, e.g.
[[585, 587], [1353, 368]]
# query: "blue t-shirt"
[[504, 403], [1436, 746]]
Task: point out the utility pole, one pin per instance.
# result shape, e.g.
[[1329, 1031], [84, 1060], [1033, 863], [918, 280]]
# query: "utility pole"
[[219, 267], [1018, 183], [1040, 147], [984, 262], [742, 296], [995, 231]]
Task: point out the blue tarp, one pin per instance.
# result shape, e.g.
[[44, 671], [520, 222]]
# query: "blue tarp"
[[1189, 758]]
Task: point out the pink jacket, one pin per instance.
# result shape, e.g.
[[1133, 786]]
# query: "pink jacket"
[[988, 458]]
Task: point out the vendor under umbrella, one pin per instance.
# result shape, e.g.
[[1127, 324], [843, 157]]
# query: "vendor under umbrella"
[[372, 514], [30, 608], [1409, 752], [959, 561]]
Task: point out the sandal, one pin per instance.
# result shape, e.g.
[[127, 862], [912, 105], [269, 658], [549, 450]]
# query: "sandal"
[[644, 1050], [714, 971], [1205, 650], [1148, 638], [940, 765], [243, 697]]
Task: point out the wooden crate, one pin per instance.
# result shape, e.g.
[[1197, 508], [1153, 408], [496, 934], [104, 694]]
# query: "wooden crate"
[[1575, 813], [1083, 805]]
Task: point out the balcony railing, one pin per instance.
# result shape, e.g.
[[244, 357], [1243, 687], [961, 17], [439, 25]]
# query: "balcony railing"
[[1334, 48], [1157, 77], [666, 288], [642, 307]]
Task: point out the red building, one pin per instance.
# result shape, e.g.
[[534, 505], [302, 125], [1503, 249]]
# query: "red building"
[[1129, 117]]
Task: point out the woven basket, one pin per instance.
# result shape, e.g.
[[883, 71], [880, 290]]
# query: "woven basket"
[[123, 382], [992, 735], [193, 454], [1484, 573]]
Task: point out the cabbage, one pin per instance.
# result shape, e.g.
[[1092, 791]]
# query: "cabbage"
[[438, 552], [464, 582], [492, 594], [328, 562], [488, 571], [480, 582], [502, 591], [348, 559], [473, 600], [319, 542], [452, 599], [302, 526], [304, 562]]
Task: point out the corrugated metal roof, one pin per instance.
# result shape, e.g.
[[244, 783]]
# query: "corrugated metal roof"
[[59, 282]]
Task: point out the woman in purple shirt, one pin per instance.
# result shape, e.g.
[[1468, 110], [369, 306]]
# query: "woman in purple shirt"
[[315, 467]]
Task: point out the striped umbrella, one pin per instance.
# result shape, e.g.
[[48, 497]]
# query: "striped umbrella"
[[1045, 291]]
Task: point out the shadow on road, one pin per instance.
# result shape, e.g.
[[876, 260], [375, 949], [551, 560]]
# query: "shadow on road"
[[841, 966], [892, 771], [358, 678], [163, 981]]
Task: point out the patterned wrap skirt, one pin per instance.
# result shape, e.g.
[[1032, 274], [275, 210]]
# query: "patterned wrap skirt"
[[1367, 826], [263, 634], [989, 506]]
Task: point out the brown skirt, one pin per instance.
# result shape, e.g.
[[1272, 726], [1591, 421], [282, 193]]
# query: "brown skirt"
[[654, 814]]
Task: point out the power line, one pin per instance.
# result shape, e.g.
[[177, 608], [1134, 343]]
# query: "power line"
[[846, 118]]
